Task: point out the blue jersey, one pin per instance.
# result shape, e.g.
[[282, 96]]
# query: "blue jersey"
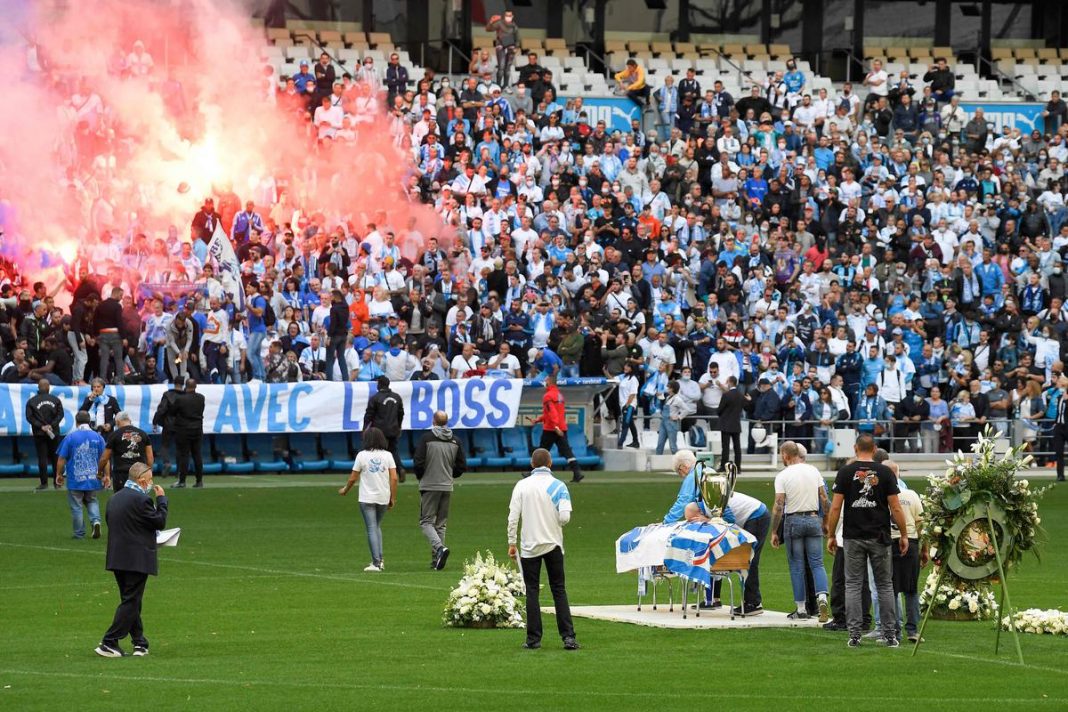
[[81, 450]]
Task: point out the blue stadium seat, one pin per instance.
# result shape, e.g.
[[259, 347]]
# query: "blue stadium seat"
[[474, 457], [585, 456], [405, 448], [266, 452], [337, 449], [233, 446], [486, 446], [14, 457], [516, 445], [535, 437], [305, 453], [213, 463]]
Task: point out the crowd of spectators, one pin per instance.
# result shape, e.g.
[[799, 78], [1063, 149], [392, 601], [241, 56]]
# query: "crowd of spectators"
[[881, 262]]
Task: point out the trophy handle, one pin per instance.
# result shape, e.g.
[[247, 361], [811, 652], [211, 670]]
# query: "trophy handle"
[[731, 472]]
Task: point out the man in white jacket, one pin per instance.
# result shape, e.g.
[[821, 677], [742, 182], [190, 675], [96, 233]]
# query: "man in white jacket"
[[542, 504]]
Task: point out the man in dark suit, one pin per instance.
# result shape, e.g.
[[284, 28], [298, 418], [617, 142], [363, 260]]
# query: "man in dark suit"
[[189, 432], [731, 406], [1060, 427], [385, 411], [163, 419], [132, 524], [44, 413]]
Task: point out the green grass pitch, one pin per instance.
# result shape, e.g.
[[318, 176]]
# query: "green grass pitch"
[[264, 606]]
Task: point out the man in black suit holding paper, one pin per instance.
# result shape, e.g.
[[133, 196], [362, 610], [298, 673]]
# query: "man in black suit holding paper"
[[132, 520]]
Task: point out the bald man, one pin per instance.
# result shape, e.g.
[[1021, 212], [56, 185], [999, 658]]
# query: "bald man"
[[439, 459]]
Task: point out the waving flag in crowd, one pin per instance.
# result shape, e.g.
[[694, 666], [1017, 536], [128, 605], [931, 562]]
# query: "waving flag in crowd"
[[228, 266]]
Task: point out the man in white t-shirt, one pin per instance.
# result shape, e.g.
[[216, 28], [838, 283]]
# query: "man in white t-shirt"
[[800, 496], [541, 505], [877, 82], [713, 386], [328, 118], [463, 362], [505, 361]]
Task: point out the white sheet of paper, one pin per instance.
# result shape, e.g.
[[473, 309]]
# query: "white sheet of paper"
[[168, 537]]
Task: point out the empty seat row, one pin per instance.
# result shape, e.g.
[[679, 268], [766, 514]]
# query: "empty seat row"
[[322, 452]]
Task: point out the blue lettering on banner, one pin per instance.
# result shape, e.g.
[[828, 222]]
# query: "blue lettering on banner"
[[229, 414], [474, 412], [348, 422], [274, 408], [498, 416], [292, 407], [1026, 116], [144, 421], [253, 411], [421, 410], [616, 113], [7, 413], [297, 423], [451, 405]]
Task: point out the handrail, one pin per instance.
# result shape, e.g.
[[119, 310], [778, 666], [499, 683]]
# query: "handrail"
[[993, 68], [590, 52], [849, 65], [453, 47], [742, 74], [315, 42]]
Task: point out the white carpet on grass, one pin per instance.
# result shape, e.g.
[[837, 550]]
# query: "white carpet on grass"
[[663, 618]]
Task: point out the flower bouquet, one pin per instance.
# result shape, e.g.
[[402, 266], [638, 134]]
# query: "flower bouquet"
[[1036, 620], [486, 596], [978, 501], [957, 599]]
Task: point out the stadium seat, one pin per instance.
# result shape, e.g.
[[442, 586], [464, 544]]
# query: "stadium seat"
[[17, 459], [515, 443], [585, 456], [405, 447], [234, 455], [213, 464], [306, 453], [486, 446], [338, 449], [266, 452], [535, 437]]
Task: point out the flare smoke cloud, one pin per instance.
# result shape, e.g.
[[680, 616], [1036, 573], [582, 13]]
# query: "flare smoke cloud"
[[88, 152]]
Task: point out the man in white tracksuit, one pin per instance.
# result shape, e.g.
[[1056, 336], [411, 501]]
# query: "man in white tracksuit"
[[542, 504]]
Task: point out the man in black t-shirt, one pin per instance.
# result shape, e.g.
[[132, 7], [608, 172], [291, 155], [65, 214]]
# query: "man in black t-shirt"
[[868, 491], [127, 445]]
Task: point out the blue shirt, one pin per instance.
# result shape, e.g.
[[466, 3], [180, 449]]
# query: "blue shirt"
[[81, 450], [688, 494], [548, 360], [256, 323]]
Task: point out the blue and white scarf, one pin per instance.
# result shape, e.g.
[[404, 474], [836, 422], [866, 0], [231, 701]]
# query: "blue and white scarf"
[[130, 484]]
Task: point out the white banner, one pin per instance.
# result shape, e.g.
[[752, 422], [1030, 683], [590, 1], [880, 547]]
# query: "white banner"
[[317, 407]]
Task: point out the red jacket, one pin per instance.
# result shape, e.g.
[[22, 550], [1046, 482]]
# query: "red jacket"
[[552, 409]]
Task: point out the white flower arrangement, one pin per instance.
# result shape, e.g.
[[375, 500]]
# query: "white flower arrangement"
[[486, 596], [1036, 620], [962, 599]]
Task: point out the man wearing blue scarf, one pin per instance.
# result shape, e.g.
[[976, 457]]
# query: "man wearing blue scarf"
[[79, 455], [133, 520]]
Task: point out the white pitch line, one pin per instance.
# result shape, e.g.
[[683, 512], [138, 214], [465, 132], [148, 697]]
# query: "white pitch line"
[[239, 567], [66, 584], [503, 691], [928, 651]]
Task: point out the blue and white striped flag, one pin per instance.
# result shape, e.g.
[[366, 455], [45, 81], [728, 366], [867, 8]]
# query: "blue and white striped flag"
[[228, 268]]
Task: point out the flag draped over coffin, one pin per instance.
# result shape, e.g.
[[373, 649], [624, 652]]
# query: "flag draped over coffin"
[[687, 549]]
